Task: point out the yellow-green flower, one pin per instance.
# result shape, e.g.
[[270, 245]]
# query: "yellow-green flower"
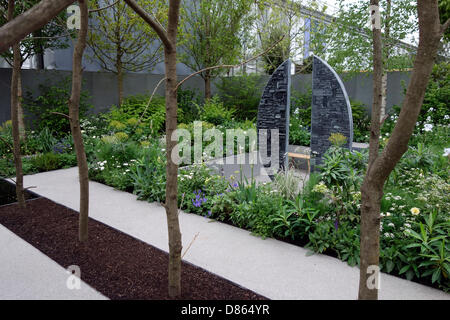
[[415, 211], [121, 136], [117, 125], [320, 188], [337, 139], [132, 122]]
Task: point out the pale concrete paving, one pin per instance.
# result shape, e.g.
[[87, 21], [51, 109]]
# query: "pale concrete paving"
[[27, 273], [272, 268]]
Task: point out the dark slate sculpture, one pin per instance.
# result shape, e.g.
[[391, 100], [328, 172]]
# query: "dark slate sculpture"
[[331, 111], [273, 111]]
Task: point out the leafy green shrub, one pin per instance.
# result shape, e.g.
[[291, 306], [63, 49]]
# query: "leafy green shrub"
[[135, 107], [213, 111], [148, 174], [361, 121], [436, 105], [113, 161], [188, 101], [241, 92], [53, 99], [42, 141], [299, 135], [52, 161], [6, 140], [301, 108]]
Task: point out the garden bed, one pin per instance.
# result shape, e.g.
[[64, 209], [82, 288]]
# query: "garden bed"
[[114, 263], [8, 193]]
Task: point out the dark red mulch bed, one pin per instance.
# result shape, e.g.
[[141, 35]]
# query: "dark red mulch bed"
[[116, 264]]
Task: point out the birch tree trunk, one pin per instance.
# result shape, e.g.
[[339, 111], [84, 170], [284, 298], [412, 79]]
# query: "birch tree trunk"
[[384, 78], [74, 112], [381, 165]]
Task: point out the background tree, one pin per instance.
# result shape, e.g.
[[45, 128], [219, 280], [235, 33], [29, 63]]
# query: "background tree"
[[349, 42], [381, 164], [278, 18], [444, 13], [52, 36], [211, 30], [121, 41], [30, 21]]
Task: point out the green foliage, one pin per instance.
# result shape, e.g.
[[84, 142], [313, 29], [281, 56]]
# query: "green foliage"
[[299, 135], [113, 162], [213, 111], [436, 105], [53, 98], [211, 31], [361, 122], [149, 174], [324, 215], [52, 161], [348, 47], [42, 141], [337, 139], [50, 36], [300, 118], [288, 183], [342, 167], [188, 102], [301, 107], [242, 93], [120, 40], [6, 140], [134, 108]]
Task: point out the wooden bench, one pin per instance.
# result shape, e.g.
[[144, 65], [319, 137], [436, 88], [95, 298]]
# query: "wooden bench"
[[307, 157]]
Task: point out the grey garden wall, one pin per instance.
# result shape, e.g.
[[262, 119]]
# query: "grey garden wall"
[[102, 86]]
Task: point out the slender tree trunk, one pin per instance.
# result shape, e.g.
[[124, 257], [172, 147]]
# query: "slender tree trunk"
[[39, 55], [120, 81], [207, 85], [171, 204], [14, 114], [381, 165], [119, 67], [371, 193], [74, 107], [20, 113]]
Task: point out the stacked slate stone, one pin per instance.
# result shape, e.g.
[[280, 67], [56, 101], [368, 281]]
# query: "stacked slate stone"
[[273, 111], [330, 112]]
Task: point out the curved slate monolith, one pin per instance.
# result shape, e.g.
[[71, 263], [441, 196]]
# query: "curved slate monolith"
[[273, 112], [331, 111]]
